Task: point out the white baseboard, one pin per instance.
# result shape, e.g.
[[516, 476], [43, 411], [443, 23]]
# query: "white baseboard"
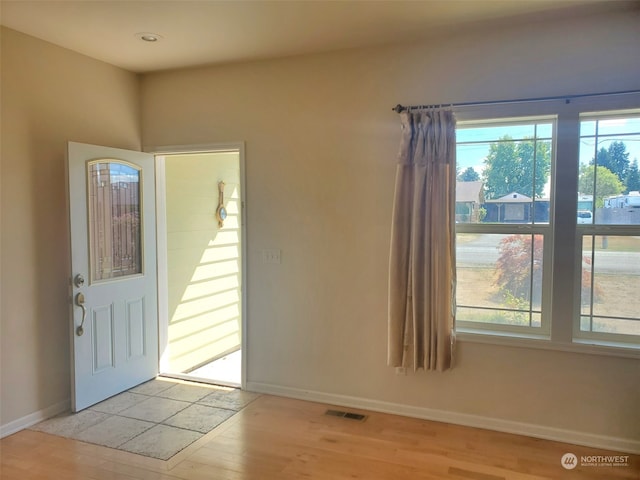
[[33, 418], [626, 445]]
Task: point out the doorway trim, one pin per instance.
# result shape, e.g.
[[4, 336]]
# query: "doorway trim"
[[161, 226]]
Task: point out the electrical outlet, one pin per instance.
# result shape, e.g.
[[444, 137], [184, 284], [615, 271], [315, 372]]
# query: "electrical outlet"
[[271, 256]]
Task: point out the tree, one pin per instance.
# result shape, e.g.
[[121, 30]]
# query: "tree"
[[469, 175], [607, 183], [509, 167], [615, 158], [515, 266], [602, 158], [633, 177], [519, 272]]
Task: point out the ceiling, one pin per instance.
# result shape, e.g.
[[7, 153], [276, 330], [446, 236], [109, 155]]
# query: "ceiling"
[[208, 32]]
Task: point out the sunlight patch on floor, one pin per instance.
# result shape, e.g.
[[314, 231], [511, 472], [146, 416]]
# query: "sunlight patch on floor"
[[226, 370]]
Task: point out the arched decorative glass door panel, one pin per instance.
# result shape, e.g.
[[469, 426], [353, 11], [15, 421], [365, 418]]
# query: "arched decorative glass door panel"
[[115, 234]]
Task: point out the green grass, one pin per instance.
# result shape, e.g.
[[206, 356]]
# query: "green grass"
[[462, 238], [614, 243], [618, 299]]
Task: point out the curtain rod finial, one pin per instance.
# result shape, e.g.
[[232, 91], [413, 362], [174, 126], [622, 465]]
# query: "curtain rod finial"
[[398, 108]]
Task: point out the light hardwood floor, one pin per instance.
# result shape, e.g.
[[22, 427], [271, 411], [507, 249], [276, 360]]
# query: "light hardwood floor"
[[285, 439]]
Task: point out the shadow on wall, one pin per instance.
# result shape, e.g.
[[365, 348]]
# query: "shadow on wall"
[[204, 261]]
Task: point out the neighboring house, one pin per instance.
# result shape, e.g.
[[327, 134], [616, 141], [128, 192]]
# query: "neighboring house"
[[469, 199], [517, 208], [514, 207]]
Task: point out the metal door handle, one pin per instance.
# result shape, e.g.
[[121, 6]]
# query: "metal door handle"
[[80, 303]]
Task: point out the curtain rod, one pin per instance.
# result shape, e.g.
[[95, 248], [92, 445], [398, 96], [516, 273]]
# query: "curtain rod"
[[567, 99]]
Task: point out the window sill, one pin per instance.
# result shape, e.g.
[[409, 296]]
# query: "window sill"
[[587, 347]]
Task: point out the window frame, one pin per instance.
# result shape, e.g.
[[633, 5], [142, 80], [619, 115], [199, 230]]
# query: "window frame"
[[533, 228], [598, 337], [564, 234], [594, 229]]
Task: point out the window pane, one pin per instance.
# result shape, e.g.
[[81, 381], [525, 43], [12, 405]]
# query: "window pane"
[[114, 220], [609, 181], [544, 131], [618, 125], [610, 325], [504, 173], [588, 127], [610, 284], [492, 132], [499, 279]]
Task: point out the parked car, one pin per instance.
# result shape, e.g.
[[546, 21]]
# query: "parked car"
[[585, 216]]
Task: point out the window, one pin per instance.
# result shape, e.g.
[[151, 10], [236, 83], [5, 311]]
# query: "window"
[[610, 236], [501, 253], [548, 224], [114, 207]]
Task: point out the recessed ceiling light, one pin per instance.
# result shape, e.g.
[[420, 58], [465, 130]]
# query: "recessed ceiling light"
[[148, 36]]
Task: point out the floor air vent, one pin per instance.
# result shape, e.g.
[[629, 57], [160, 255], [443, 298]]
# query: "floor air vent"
[[349, 415]]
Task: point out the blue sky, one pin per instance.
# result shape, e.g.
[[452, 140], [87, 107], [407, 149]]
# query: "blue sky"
[[477, 140]]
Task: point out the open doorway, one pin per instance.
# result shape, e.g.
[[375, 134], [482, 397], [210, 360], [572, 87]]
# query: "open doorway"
[[200, 265]]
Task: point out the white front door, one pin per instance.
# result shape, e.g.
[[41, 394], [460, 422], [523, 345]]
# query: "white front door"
[[113, 261]]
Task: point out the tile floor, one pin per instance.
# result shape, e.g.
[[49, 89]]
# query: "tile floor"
[[156, 419]]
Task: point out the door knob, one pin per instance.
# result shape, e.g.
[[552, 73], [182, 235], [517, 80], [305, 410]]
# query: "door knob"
[[80, 303]]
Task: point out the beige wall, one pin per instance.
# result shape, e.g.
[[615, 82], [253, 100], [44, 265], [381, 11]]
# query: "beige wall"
[[321, 141], [49, 96], [204, 268], [320, 151]]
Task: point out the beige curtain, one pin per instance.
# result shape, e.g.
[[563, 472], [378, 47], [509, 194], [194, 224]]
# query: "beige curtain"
[[422, 258]]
